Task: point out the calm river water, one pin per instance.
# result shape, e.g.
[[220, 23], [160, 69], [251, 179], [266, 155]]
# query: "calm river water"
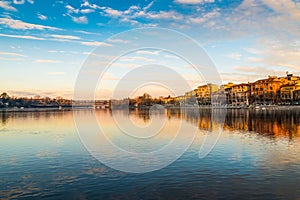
[[257, 156]]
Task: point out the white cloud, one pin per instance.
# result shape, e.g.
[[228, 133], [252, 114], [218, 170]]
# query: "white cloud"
[[148, 6], [131, 9], [42, 17], [55, 51], [148, 52], [87, 4], [194, 1], [118, 41], [71, 9], [47, 61], [86, 8], [6, 6], [80, 20], [162, 15], [68, 37], [18, 24], [95, 43], [19, 1], [133, 12], [131, 21], [205, 18], [250, 73], [113, 13], [22, 37], [11, 54], [85, 32], [285, 7], [86, 11]]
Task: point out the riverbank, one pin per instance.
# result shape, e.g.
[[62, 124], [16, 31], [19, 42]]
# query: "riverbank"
[[33, 109], [261, 107]]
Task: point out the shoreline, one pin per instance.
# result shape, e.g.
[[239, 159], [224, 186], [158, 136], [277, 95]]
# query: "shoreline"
[[261, 107]]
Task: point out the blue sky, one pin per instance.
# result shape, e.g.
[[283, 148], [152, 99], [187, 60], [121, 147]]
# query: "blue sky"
[[44, 43]]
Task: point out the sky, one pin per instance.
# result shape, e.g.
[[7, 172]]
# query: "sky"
[[44, 44]]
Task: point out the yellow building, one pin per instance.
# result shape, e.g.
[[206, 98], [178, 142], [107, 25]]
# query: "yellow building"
[[237, 94], [290, 93], [204, 93], [296, 94], [266, 91]]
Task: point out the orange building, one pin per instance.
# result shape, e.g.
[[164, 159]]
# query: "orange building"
[[290, 93], [266, 91], [238, 94], [204, 93]]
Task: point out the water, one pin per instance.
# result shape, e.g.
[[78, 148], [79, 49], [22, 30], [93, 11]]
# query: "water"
[[256, 157]]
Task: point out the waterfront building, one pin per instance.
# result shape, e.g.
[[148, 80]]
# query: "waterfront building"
[[204, 93], [296, 94], [238, 94], [266, 91], [289, 93], [168, 100]]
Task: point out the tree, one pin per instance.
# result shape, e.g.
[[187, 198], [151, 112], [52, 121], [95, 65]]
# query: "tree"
[[4, 96]]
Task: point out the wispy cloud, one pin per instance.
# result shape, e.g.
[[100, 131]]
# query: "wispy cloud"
[[18, 24], [42, 17], [80, 20], [86, 11], [52, 37], [22, 37], [69, 52], [12, 54], [71, 9], [95, 43], [133, 13], [162, 15], [87, 4], [205, 17], [250, 73], [194, 1], [48, 61], [113, 13], [85, 8], [6, 6], [19, 1], [67, 37], [118, 41], [147, 52], [85, 32]]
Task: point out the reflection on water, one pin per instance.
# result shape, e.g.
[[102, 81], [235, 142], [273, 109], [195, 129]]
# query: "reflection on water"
[[275, 123], [42, 157]]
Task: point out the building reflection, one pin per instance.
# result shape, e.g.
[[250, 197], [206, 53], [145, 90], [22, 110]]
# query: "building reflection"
[[270, 123], [273, 123]]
